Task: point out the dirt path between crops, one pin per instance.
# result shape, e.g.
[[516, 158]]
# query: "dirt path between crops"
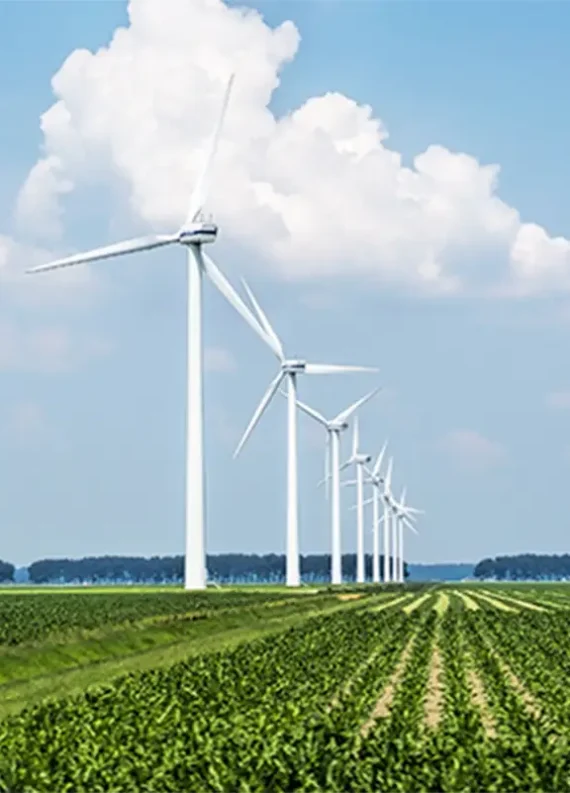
[[383, 705], [468, 602], [416, 603], [479, 699], [434, 698], [344, 690], [525, 604], [394, 602], [530, 704], [441, 604], [498, 604]]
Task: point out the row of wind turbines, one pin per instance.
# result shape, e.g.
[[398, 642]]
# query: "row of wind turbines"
[[194, 234]]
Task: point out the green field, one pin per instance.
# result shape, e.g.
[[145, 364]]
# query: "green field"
[[428, 688]]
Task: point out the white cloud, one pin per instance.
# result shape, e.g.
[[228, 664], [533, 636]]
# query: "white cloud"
[[558, 400], [315, 193], [472, 450], [219, 359]]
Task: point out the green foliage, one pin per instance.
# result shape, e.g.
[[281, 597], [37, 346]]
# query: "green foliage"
[[286, 712], [32, 617]]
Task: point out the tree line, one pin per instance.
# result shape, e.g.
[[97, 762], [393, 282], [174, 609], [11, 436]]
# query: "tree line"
[[524, 567], [7, 571], [222, 568]]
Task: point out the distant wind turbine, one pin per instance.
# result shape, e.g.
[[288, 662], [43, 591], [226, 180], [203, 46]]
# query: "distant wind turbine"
[[194, 233], [334, 427], [289, 368], [359, 460], [375, 479], [377, 483], [403, 516]]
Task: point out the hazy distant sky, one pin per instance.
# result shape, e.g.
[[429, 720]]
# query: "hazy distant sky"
[[393, 180]]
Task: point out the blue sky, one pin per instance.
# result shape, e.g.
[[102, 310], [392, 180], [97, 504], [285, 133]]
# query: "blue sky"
[[477, 396]]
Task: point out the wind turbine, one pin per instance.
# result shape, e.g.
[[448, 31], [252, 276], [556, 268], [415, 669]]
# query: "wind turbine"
[[194, 233], [334, 427], [376, 480], [359, 460], [403, 516], [289, 369]]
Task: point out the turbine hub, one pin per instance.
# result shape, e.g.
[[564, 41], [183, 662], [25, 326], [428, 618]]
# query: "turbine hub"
[[198, 233], [293, 367]]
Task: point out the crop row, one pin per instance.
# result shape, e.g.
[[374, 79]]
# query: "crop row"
[[33, 617]]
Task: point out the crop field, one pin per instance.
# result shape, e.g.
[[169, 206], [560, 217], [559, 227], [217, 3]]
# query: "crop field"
[[434, 688]]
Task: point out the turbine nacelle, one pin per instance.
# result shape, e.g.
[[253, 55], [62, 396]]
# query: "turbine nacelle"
[[362, 459], [293, 366], [338, 426], [198, 233]]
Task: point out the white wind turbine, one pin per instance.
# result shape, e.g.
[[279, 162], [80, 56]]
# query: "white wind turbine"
[[403, 516], [382, 488], [193, 234], [334, 427], [376, 481], [289, 368], [359, 460]]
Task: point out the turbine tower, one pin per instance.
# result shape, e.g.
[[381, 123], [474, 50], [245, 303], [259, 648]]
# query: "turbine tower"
[[193, 235], [289, 369], [359, 460], [334, 427]]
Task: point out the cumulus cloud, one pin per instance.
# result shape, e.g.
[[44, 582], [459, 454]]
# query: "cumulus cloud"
[[315, 193], [472, 450]]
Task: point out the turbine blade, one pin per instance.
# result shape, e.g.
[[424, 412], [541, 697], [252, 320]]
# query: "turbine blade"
[[325, 368], [345, 414], [265, 400], [388, 478], [348, 482], [364, 503], [403, 497], [311, 412], [276, 345], [223, 285], [378, 463], [199, 193], [109, 251], [404, 514], [345, 465], [410, 526], [414, 511]]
